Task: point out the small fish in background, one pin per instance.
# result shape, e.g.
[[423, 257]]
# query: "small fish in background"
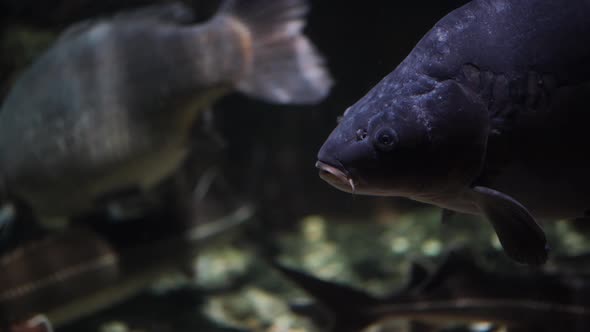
[[487, 115], [37, 323], [92, 272], [458, 290], [110, 106]]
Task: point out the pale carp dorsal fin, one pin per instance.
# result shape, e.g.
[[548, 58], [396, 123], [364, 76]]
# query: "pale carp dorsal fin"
[[174, 12], [520, 235]]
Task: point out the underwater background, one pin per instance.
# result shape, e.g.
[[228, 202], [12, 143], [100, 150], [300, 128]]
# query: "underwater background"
[[265, 164]]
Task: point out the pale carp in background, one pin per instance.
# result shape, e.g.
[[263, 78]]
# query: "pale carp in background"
[[487, 115], [110, 106]]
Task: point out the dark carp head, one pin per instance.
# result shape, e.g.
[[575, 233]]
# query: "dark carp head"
[[411, 136]]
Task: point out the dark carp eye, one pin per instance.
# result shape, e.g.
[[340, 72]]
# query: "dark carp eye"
[[385, 139], [361, 134]]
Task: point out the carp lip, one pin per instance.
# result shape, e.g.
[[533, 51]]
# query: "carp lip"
[[335, 176]]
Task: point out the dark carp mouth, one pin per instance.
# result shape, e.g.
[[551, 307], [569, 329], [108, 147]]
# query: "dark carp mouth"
[[335, 176]]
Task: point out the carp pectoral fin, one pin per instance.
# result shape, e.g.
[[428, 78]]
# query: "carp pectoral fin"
[[520, 235]]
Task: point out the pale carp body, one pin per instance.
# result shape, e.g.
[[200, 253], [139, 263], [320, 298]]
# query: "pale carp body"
[[110, 106]]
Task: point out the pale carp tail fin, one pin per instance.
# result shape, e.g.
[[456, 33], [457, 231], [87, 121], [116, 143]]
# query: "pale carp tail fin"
[[286, 68]]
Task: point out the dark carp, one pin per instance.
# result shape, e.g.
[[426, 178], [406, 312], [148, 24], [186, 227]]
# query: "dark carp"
[[487, 115]]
